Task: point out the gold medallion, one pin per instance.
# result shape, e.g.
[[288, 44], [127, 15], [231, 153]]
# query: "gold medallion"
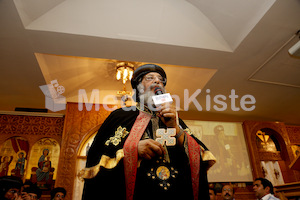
[[163, 174]]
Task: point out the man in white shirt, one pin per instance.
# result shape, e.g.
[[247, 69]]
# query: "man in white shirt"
[[263, 189]]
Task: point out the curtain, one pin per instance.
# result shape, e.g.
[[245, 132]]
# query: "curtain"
[[19, 144], [272, 172]]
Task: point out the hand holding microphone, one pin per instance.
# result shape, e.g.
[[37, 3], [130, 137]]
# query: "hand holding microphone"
[[167, 112]]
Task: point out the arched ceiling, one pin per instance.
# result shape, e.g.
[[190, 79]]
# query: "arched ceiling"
[[218, 25], [216, 46]]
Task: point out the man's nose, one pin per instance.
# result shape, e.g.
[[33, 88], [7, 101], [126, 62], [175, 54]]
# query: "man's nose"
[[156, 80]]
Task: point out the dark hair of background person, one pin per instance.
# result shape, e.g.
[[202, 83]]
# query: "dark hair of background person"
[[56, 190], [266, 183]]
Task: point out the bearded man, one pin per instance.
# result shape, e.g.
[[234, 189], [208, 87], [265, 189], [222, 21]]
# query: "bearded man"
[[126, 161]]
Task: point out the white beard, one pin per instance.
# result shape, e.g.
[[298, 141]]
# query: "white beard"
[[146, 96]]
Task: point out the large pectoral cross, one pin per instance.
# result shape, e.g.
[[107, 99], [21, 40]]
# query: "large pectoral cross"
[[166, 138]]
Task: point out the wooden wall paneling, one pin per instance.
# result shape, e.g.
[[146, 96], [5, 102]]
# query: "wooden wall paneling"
[[252, 150], [33, 128], [250, 129], [294, 134], [78, 124]]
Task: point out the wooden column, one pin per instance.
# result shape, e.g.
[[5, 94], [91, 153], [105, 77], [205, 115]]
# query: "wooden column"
[[78, 124]]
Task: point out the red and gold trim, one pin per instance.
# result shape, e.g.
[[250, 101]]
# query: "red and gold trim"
[[194, 156], [131, 152]]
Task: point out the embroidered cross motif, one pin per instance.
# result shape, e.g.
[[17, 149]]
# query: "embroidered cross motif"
[[119, 134], [164, 136]]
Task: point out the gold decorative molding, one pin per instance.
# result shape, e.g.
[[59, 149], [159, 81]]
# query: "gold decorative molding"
[[31, 125], [3, 112], [270, 156]]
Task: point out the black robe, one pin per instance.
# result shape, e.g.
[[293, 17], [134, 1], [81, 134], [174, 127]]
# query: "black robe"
[[111, 182]]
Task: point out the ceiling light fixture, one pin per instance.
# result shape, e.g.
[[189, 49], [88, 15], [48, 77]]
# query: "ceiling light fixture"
[[124, 72]]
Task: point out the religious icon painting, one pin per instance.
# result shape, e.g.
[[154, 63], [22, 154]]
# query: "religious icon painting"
[[163, 173], [44, 158], [13, 157]]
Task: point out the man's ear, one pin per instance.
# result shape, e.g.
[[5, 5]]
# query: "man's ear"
[[267, 189]]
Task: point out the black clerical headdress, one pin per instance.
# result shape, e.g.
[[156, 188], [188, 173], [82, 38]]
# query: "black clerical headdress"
[[34, 189], [8, 182], [56, 190]]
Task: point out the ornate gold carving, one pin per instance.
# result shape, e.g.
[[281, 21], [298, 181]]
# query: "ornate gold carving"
[[31, 125], [119, 134], [294, 134], [47, 141]]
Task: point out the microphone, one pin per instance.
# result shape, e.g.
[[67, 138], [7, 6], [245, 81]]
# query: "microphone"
[[160, 97], [157, 91]]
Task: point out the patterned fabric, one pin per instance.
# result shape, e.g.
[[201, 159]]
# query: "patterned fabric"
[[131, 152]]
